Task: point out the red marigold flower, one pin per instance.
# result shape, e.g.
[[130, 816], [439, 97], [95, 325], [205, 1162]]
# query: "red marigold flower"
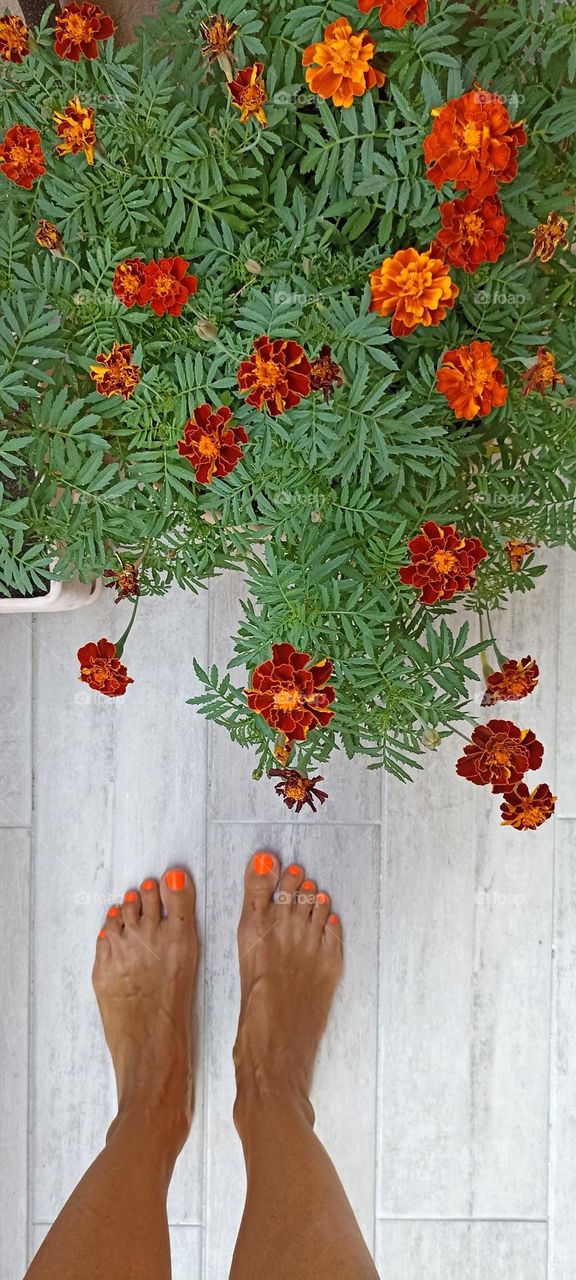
[[396, 13], [472, 380], [291, 696], [102, 670], [548, 236], [115, 374], [218, 33], [248, 93], [211, 442], [442, 562], [21, 156], [525, 810], [415, 287], [472, 232], [342, 58], [79, 27], [14, 33], [129, 277], [516, 679], [325, 374], [276, 375], [542, 374], [48, 236], [473, 143], [297, 789], [517, 551], [499, 755], [166, 286], [75, 126], [125, 580]]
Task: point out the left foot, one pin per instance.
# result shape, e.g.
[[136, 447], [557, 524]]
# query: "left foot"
[[144, 977]]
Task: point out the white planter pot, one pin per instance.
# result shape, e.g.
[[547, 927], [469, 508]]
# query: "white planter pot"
[[61, 596]]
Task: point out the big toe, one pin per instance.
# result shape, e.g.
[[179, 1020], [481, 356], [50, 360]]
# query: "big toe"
[[260, 880]]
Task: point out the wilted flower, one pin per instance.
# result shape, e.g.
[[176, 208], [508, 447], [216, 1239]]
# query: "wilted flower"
[[296, 789], [543, 374], [549, 236]]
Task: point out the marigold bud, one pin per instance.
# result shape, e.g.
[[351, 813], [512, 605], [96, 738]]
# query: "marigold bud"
[[206, 330], [252, 266], [431, 739]]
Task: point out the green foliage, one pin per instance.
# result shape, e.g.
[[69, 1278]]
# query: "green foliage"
[[282, 226]]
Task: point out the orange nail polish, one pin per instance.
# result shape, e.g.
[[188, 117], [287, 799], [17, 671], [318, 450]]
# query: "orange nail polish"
[[333, 920], [262, 863], [175, 880], [307, 884], [102, 933], [321, 899], [294, 870], [147, 884], [113, 911], [130, 896]]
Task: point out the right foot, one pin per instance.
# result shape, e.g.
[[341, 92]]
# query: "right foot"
[[144, 977], [290, 964]]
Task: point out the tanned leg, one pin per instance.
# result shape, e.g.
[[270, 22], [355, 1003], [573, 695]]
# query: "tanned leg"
[[298, 1223], [114, 1225]]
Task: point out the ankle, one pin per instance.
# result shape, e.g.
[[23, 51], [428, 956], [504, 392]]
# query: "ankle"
[[265, 1099]]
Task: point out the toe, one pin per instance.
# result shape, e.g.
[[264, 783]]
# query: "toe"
[[114, 922], [150, 894], [260, 880], [320, 912], [178, 896], [131, 908], [290, 883], [305, 899], [333, 933]]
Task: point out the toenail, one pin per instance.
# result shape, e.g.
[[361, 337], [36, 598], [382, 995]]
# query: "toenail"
[[295, 870], [333, 920], [147, 884], [262, 863], [175, 880], [130, 896], [113, 911], [102, 933], [321, 899], [307, 884]]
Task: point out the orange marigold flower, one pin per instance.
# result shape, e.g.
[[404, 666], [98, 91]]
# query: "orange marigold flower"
[[129, 277], [325, 374], [14, 33], [472, 232], [21, 156], [291, 696], [416, 287], [102, 670], [79, 27], [248, 93], [542, 374], [517, 551], [75, 126], [548, 236], [516, 679], [218, 33], [276, 375], [166, 286], [342, 58], [499, 754], [472, 380], [396, 13], [525, 810], [297, 789], [48, 236], [115, 374], [211, 442], [473, 143], [442, 562], [125, 580]]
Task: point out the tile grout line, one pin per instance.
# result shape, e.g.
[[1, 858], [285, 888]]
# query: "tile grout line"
[[538, 1222], [550, 1154]]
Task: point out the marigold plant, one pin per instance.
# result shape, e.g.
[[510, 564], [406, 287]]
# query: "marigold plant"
[[290, 291]]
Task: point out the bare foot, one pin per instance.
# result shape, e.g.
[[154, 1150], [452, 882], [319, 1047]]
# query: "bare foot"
[[144, 977], [290, 964]]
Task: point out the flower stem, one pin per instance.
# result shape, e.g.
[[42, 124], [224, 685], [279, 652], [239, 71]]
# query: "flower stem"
[[497, 651], [124, 637]]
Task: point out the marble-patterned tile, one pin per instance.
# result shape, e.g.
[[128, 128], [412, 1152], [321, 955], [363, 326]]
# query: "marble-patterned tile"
[[14, 1018], [462, 1250], [16, 721], [566, 763]]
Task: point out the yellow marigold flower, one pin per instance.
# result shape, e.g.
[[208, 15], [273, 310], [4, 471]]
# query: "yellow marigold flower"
[[342, 58], [548, 236], [13, 39], [75, 126], [415, 287]]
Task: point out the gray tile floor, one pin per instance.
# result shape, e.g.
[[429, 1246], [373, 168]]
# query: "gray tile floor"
[[446, 1089]]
